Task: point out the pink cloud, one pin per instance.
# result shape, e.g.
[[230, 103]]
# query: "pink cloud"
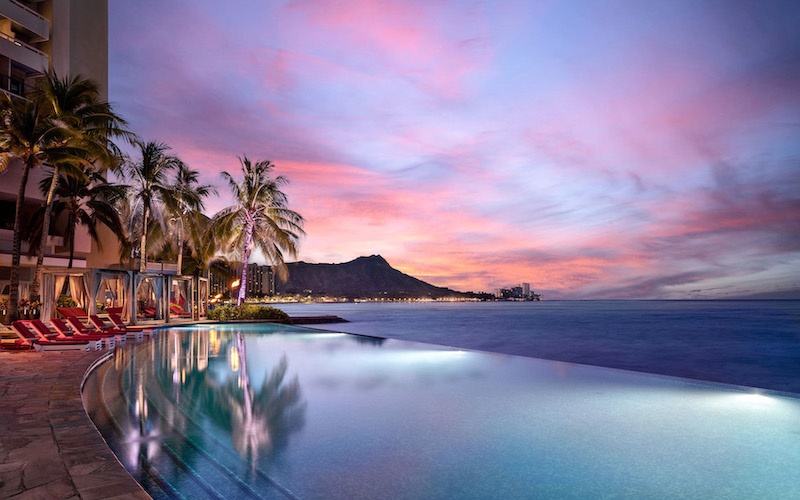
[[481, 146], [433, 46]]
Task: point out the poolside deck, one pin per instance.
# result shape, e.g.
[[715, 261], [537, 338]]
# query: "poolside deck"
[[49, 448]]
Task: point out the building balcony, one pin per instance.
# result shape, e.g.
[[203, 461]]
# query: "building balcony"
[[16, 89], [23, 17], [23, 53]]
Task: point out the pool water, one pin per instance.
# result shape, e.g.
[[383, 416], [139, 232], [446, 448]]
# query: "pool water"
[[270, 411]]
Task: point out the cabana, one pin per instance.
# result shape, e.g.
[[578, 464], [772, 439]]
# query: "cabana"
[[93, 291], [181, 296], [150, 296], [75, 284], [111, 291]]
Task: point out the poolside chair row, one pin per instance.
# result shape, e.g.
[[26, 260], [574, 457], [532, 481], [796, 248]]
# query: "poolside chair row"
[[36, 334], [36, 339], [101, 325]]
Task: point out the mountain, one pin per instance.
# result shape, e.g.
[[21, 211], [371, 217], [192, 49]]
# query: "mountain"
[[363, 277]]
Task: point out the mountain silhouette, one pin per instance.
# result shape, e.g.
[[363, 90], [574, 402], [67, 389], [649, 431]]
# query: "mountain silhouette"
[[363, 277]]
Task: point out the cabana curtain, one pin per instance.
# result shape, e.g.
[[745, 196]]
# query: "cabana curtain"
[[48, 295], [78, 290], [158, 291]]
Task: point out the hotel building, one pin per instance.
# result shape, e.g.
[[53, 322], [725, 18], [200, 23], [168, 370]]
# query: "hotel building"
[[71, 36]]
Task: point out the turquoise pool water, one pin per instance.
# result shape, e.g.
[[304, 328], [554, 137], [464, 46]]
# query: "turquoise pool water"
[[268, 411]]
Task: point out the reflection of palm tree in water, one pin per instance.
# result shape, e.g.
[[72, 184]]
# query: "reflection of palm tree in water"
[[260, 419]]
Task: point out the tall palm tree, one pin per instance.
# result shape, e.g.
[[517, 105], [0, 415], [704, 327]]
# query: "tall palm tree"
[[150, 187], [76, 105], [259, 218], [204, 249], [186, 199], [29, 137], [87, 201]]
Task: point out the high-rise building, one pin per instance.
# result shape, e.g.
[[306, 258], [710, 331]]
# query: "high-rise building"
[[70, 36], [260, 280], [526, 290]]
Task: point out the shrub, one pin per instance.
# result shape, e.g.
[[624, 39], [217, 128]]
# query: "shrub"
[[65, 301], [247, 312]]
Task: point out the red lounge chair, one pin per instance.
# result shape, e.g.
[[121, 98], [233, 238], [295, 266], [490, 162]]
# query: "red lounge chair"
[[61, 333], [120, 325], [98, 323], [72, 312], [178, 310], [64, 330], [147, 312], [42, 343], [10, 341], [17, 345], [79, 328]]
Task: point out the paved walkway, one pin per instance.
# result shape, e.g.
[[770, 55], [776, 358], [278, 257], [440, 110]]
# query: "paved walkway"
[[49, 448]]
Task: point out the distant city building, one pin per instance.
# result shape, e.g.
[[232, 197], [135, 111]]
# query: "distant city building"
[[217, 283], [221, 281], [260, 280], [519, 292]]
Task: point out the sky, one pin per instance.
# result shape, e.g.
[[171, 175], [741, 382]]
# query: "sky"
[[594, 149]]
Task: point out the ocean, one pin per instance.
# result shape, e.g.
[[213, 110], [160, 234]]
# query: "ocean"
[[749, 343]]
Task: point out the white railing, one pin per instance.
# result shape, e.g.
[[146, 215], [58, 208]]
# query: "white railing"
[[22, 44], [26, 17], [31, 11]]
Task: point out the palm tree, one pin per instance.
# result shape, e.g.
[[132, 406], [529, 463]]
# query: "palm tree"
[[76, 105], [86, 200], [150, 187], [259, 218], [29, 136], [186, 199]]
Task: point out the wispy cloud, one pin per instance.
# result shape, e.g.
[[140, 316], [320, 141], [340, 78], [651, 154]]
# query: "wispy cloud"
[[480, 145]]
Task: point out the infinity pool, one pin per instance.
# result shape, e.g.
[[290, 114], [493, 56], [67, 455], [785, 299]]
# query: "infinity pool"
[[269, 411]]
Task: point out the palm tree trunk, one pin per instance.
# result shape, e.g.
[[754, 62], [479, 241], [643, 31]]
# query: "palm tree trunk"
[[245, 260], [71, 228], [16, 245], [48, 211], [180, 248], [143, 243]]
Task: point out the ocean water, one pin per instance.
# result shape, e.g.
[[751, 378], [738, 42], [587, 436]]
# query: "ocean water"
[[749, 343]]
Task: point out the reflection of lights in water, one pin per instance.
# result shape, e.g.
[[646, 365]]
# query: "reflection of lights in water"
[[214, 342], [140, 410], [424, 356], [306, 336], [175, 361], [753, 400], [234, 358]]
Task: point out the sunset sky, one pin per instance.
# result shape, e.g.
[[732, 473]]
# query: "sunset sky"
[[595, 149]]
